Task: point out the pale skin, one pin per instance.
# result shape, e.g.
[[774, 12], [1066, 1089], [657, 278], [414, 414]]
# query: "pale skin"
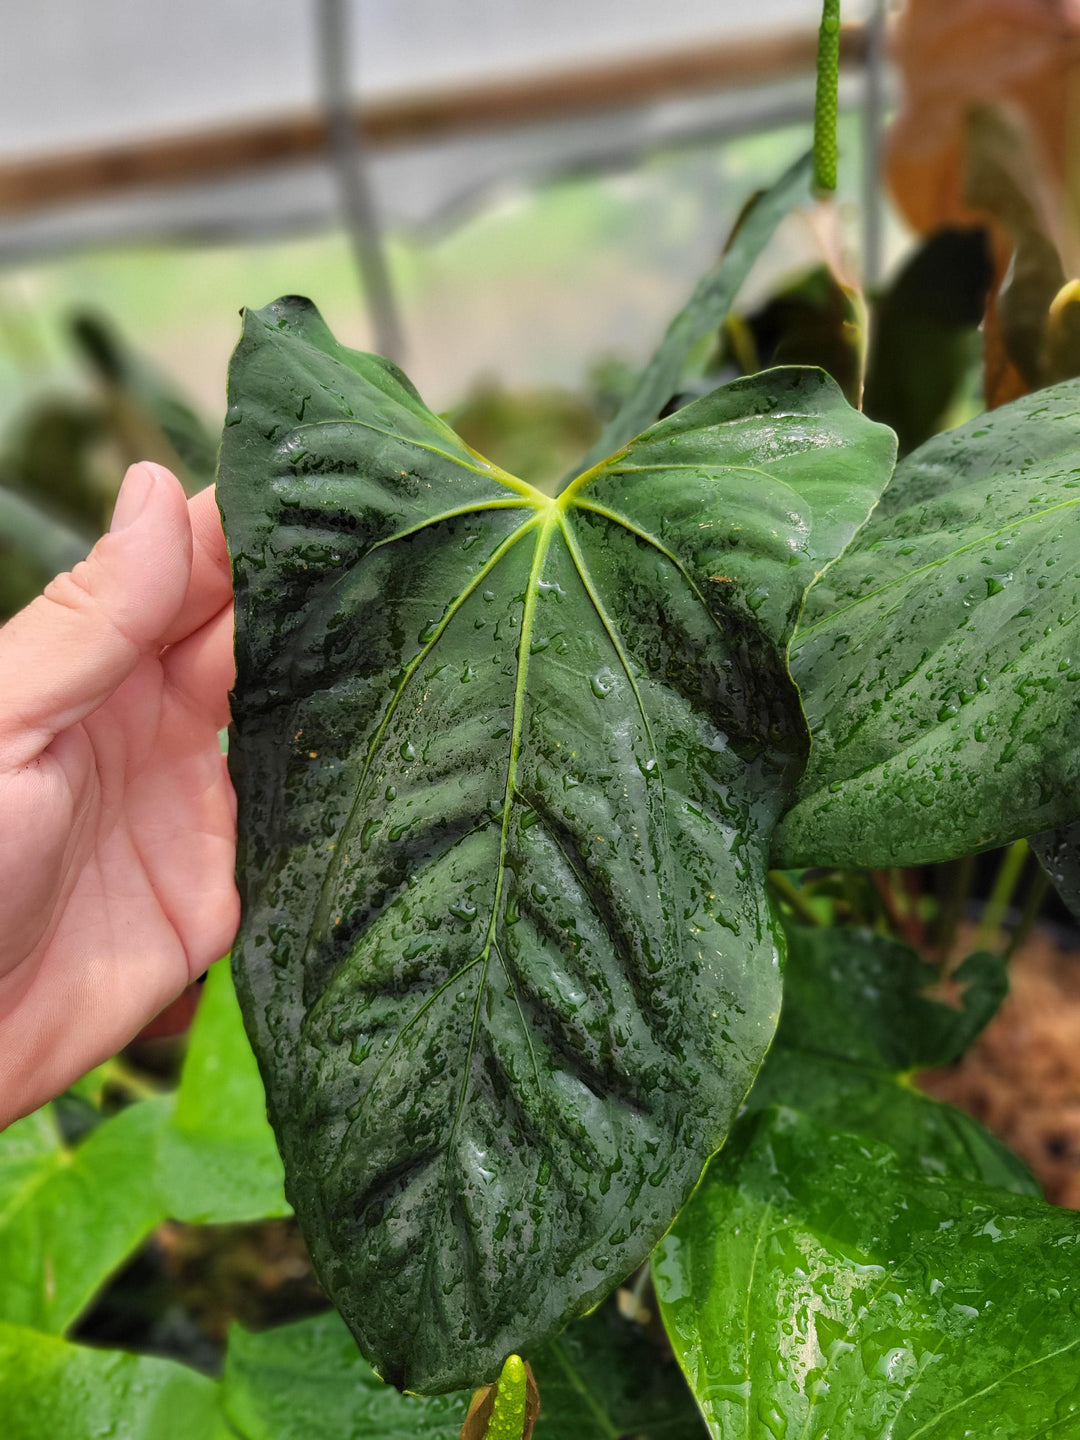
[[117, 818]]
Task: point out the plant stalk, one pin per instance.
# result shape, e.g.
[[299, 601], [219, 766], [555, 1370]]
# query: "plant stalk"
[[827, 99], [1008, 877]]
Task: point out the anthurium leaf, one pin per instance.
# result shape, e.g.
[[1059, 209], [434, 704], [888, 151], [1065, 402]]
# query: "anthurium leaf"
[[937, 658], [603, 1379], [868, 1300], [600, 1380], [861, 1013], [217, 1160], [70, 1215], [279, 1383], [705, 311], [71, 1392], [507, 768]]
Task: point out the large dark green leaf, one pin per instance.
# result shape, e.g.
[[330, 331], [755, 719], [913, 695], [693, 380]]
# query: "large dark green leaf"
[[937, 660], [815, 1287], [507, 769], [705, 311], [1059, 854], [861, 1014]]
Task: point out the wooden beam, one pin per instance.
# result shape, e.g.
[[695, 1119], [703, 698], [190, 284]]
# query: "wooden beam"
[[409, 119]]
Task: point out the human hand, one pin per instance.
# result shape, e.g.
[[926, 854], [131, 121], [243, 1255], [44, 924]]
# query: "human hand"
[[117, 818]]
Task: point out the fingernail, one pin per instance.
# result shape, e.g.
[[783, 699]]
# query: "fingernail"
[[131, 501]]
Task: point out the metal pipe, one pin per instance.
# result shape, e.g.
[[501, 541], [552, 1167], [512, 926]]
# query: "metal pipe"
[[873, 116], [347, 153]]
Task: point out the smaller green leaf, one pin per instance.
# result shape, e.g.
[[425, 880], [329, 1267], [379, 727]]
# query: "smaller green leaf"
[[704, 313], [280, 1383], [51, 1390], [816, 1287], [604, 1378], [70, 1216], [848, 1064], [937, 660], [217, 1160], [814, 320], [29, 531]]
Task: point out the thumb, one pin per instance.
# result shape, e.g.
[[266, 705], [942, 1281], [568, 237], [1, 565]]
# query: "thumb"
[[67, 652]]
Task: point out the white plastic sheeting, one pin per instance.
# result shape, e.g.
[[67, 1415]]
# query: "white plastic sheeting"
[[75, 74], [82, 72]]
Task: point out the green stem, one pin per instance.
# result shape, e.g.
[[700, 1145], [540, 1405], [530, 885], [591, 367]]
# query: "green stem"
[[1008, 877], [1037, 893], [794, 897], [826, 102], [120, 1075], [960, 878]]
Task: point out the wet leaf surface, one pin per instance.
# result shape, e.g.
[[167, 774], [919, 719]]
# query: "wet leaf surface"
[[507, 769], [1058, 852], [70, 1215], [937, 659], [71, 1392], [848, 1063], [869, 1300], [845, 1270]]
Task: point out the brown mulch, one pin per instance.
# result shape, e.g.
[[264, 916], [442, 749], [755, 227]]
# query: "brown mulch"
[[1021, 1078]]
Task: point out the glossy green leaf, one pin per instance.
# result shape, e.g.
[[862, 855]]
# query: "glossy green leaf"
[[281, 1383], [71, 1215], [604, 1379], [705, 311], [861, 1014], [217, 1159], [507, 768], [937, 660], [817, 1287], [50, 1390]]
